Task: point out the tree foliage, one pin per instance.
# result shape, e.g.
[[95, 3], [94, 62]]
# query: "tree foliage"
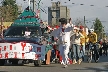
[[98, 28], [9, 2], [7, 14], [9, 10]]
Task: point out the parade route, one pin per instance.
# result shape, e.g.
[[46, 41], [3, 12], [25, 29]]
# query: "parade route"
[[37, 32], [102, 66]]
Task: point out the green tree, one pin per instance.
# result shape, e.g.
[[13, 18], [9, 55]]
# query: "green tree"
[[9, 2], [9, 10], [7, 13], [98, 28]]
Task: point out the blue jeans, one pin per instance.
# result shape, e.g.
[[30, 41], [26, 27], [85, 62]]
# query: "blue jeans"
[[76, 51], [70, 54], [53, 55], [83, 48]]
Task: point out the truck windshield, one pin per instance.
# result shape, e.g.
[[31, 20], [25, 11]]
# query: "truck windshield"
[[20, 31]]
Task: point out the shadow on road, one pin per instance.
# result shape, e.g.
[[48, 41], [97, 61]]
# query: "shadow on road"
[[29, 65], [94, 69], [106, 66], [15, 65], [42, 66], [3, 71], [101, 59]]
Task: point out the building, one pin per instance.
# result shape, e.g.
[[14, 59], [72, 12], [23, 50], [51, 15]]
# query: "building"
[[57, 11]]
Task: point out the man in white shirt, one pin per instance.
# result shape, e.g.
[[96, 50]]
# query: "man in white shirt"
[[63, 35]]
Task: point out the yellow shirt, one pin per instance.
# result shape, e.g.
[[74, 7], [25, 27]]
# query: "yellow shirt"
[[83, 38], [92, 37]]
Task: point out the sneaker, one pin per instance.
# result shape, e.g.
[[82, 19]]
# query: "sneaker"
[[79, 61], [62, 62], [65, 66], [97, 60], [69, 62], [74, 61]]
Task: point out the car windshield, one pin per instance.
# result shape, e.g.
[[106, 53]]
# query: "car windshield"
[[21, 30]]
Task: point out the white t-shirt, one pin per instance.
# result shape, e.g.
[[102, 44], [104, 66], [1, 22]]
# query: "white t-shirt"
[[64, 36]]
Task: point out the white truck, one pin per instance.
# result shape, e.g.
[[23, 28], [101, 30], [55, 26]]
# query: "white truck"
[[23, 42]]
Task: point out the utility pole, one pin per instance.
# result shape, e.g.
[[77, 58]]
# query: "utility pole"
[[84, 19], [29, 4], [34, 5], [84, 22]]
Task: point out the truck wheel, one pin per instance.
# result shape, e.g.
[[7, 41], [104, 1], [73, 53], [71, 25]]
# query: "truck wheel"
[[2, 62], [30, 61], [37, 62], [25, 62], [15, 62]]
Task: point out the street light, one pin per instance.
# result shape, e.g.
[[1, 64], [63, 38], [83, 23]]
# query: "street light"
[[91, 5], [73, 3], [81, 4]]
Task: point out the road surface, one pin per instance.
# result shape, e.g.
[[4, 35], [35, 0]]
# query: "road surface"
[[102, 66]]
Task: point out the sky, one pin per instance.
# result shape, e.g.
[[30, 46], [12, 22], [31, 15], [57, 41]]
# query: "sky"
[[99, 10]]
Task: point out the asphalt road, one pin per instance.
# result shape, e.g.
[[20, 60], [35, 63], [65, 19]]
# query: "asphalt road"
[[101, 66]]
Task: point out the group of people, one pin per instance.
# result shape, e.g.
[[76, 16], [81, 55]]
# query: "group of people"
[[69, 36]]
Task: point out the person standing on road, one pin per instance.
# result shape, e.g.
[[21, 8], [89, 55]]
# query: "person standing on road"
[[63, 36], [83, 40], [76, 46], [104, 47]]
